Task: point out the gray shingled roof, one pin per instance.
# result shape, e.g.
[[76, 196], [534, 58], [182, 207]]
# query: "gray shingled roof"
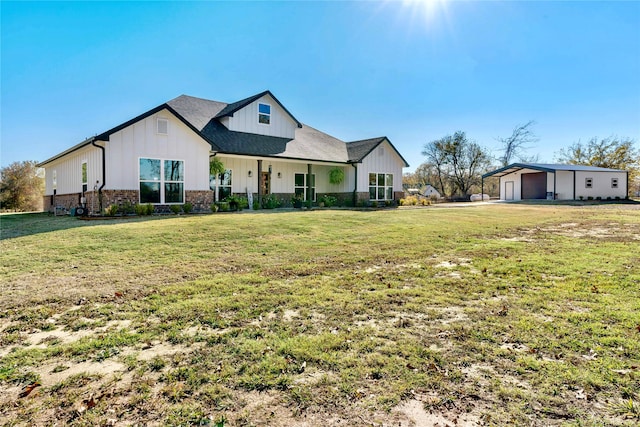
[[196, 111], [358, 150], [202, 116]]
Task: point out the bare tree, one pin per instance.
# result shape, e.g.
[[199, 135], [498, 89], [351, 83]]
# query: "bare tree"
[[459, 162], [514, 146]]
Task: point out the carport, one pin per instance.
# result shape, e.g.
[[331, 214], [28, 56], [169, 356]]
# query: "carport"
[[533, 182]]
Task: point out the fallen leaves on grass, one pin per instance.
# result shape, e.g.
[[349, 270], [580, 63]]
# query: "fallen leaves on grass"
[[28, 389]]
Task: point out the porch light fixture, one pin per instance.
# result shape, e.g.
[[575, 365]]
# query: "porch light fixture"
[[249, 173], [279, 175], [269, 169]]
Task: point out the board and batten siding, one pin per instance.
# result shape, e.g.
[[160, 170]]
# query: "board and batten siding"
[[246, 120], [141, 140], [69, 171], [383, 159]]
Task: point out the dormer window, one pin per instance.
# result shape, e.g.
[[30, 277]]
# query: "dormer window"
[[264, 114]]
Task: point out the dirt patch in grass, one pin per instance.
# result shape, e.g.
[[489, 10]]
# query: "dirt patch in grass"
[[507, 315]]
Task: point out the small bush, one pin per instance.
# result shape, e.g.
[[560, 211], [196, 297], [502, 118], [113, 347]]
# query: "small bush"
[[374, 204], [214, 207], [148, 209], [590, 198], [270, 202], [187, 207], [175, 209], [256, 205], [328, 200], [111, 210], [127, 208], [409, 201], [224, 206]]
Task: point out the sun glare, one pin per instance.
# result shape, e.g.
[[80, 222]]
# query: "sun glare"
[[424, 10]]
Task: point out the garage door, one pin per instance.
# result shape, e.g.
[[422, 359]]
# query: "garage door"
[[534, 185]]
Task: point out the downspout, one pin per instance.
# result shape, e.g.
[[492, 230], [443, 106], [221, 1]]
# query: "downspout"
[[554, 185], [104, 173], [574, 185], [355, 185], [482, 189]]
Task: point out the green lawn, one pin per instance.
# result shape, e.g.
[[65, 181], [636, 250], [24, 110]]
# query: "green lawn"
[[486, 315]]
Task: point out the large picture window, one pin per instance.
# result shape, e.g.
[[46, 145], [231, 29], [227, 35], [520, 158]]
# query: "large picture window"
[[223, 186], [380, 186], [161, 181], [300, 186]]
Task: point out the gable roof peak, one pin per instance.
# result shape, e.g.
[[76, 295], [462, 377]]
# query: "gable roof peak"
[[238, 105]]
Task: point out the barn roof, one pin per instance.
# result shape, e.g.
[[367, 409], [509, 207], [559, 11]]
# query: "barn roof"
[[546, 167]]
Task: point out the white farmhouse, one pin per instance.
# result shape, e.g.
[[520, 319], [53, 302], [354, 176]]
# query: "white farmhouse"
[[525, 181], [162, 157]]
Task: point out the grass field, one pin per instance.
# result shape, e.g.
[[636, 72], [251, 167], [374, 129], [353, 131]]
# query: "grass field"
[[486, 315]]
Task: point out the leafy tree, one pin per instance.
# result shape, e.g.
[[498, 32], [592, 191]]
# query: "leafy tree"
[[513, 147], [458, 163], [424, 175], [611, 152], [21, 186]]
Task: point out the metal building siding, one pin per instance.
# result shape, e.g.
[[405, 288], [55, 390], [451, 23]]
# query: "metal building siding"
[[601, 184], [383, 159], [140, 140], [246, 120]]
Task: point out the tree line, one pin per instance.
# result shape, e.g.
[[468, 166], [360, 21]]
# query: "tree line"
[[454, 164]]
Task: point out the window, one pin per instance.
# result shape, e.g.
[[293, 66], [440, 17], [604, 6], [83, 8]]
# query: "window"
[[614, 182], [588, 183], [84, 177], [163, 126], [264, 114], [161, 181], [380, 186], [300, 186], [54, 180], [223, 184]]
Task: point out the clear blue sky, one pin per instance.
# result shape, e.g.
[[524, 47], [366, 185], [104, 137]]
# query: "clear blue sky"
[[413, 71]]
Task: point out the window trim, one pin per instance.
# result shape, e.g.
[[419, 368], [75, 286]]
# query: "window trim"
[[163, 181], [387, 187], [588, 183], [166, 121], [84, 176], [304, 187], [267, 115], [54, 179]]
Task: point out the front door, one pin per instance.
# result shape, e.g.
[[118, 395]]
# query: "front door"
[[508, 190], [265, 183]]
